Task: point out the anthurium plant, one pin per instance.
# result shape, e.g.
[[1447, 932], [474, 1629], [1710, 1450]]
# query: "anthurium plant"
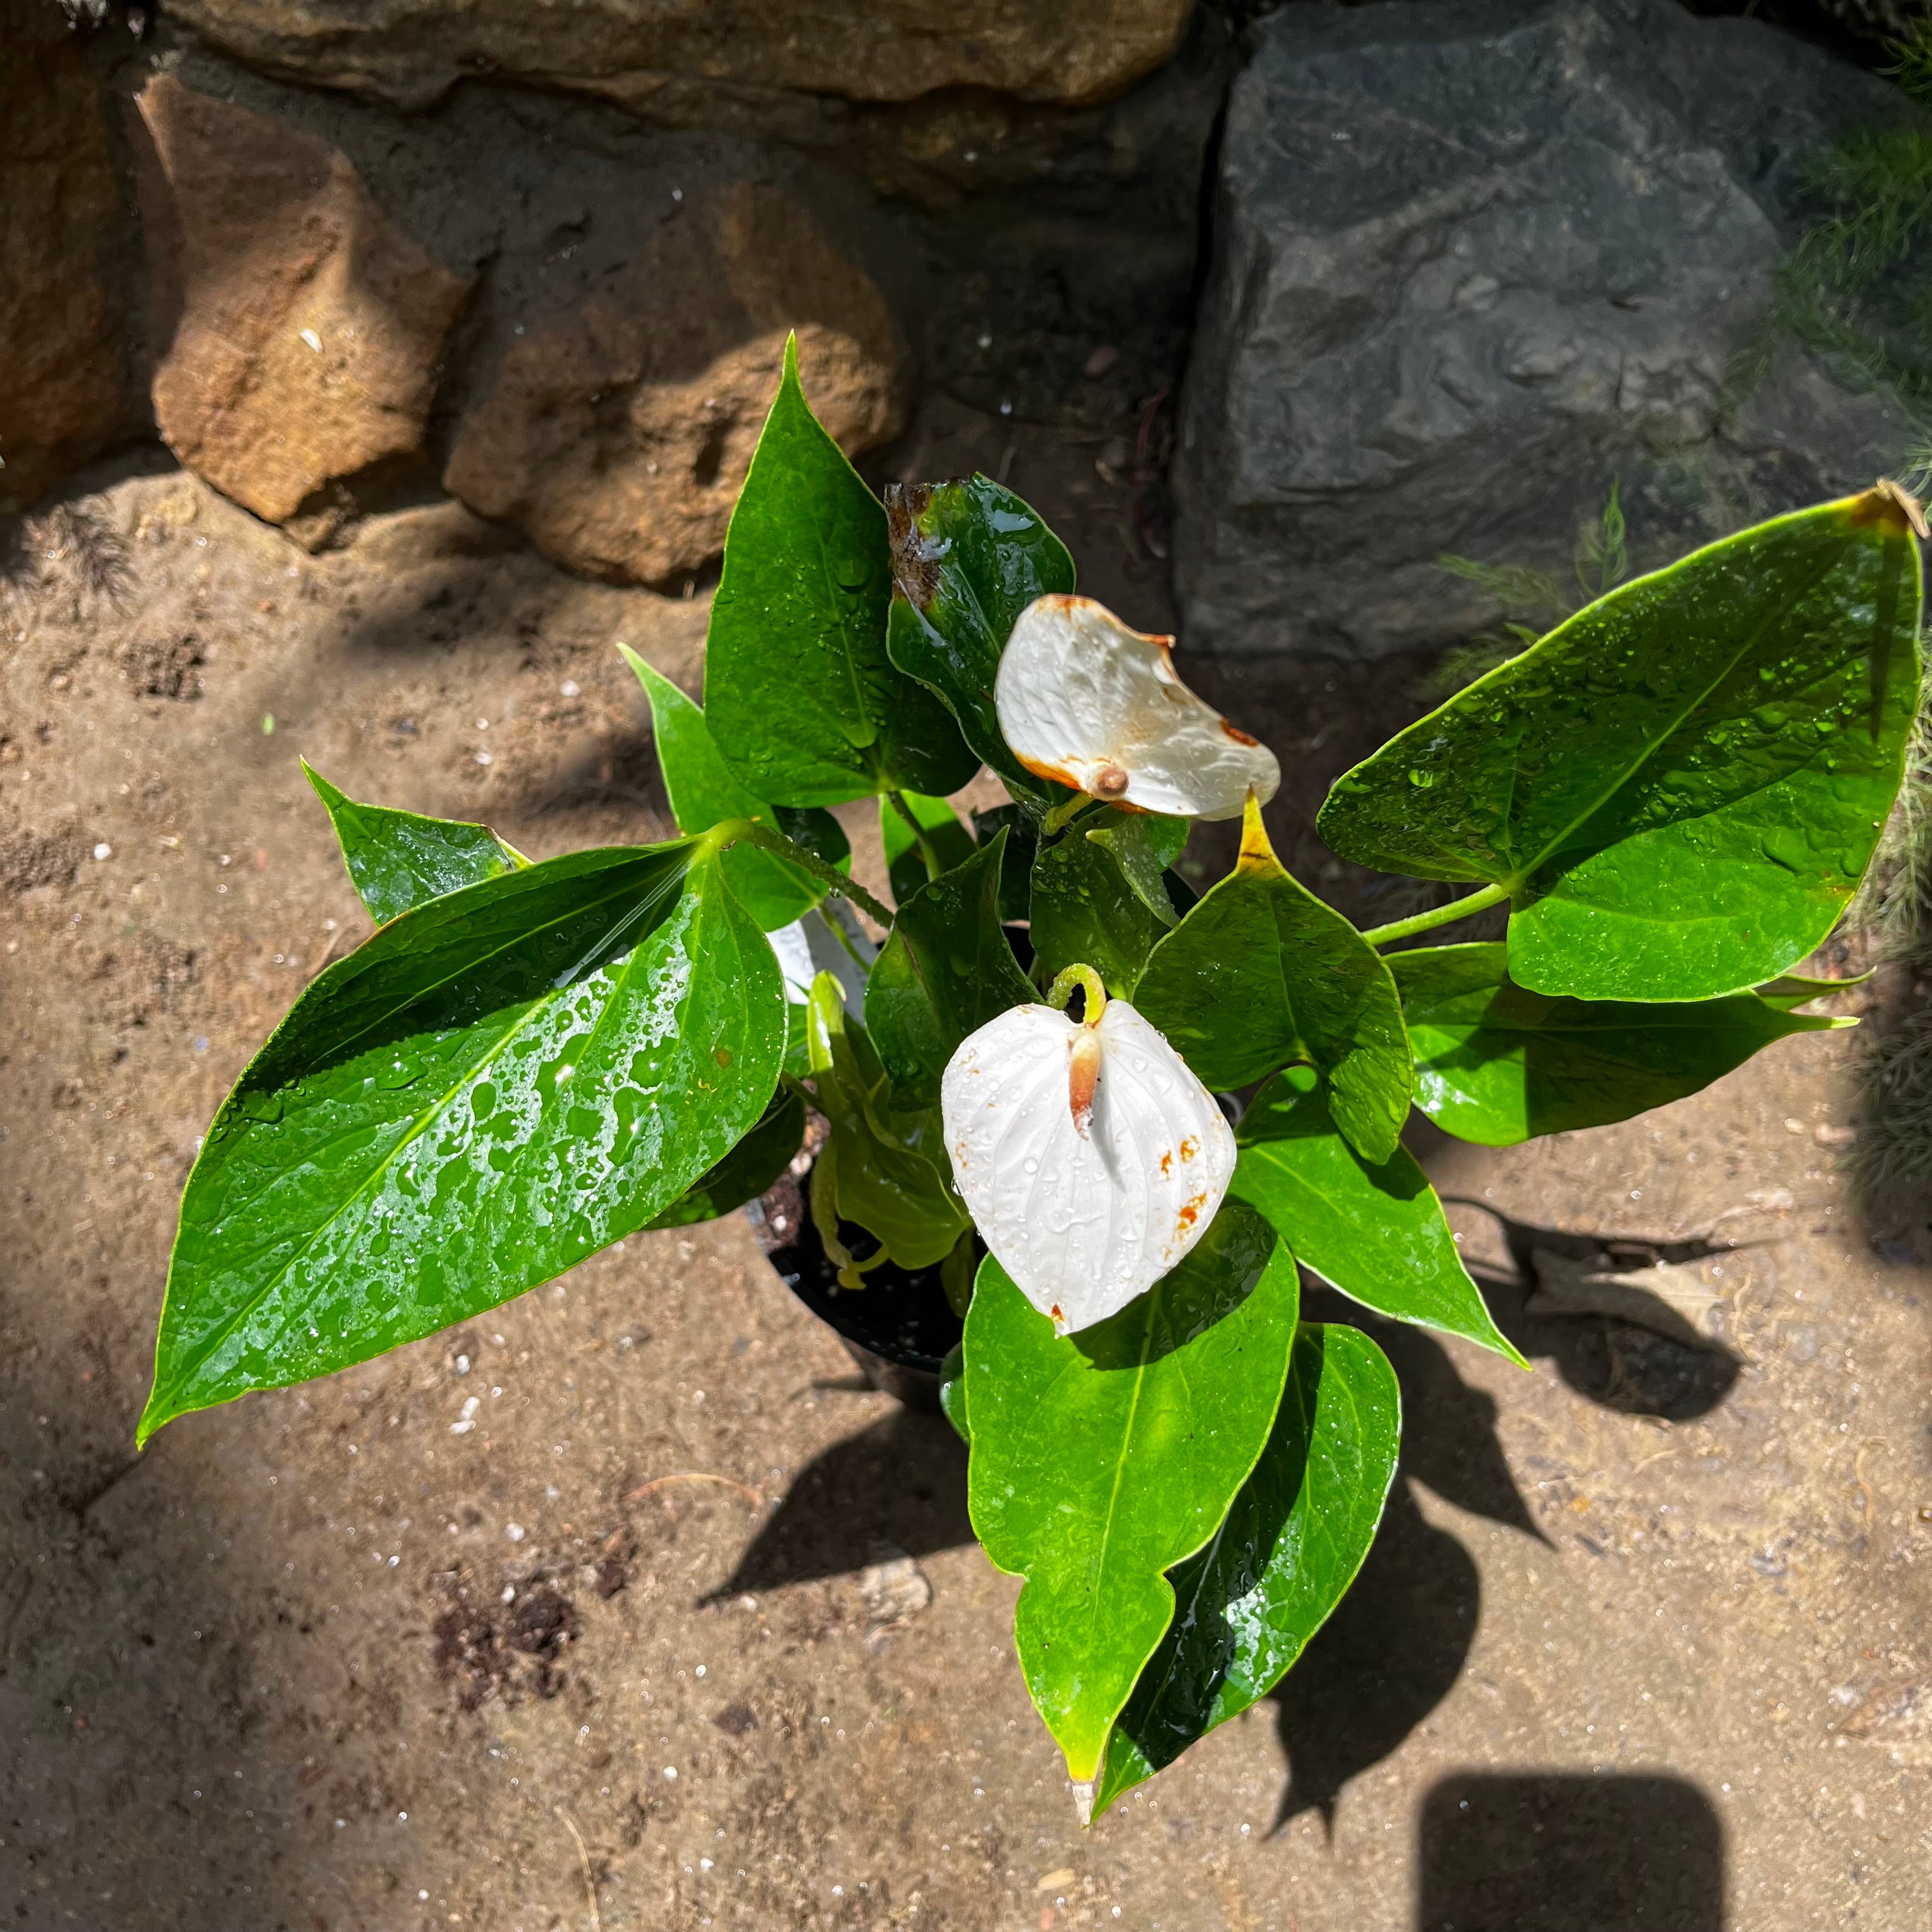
[[1027, 1067]]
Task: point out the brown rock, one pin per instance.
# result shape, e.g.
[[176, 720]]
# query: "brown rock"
[[617, 435], [1071, 52], [297, 328], [62, 395]]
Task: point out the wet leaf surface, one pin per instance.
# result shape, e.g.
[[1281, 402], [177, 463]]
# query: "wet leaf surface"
[[492, 1087], [1291, 1543], [746, 1171], [802, 696], [1260, 974], [1497, 1064], [1375, 1231], [398, 859], [968, 558], [1102, 1459], [1681, 786], [1087, 911]]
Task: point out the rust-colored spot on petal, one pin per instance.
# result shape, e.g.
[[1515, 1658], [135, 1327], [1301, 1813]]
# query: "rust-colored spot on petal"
[[1054, 1314], [1235, 732], [1167, 1162], [1110, 782], [1189, 1147], [1190, 1213]]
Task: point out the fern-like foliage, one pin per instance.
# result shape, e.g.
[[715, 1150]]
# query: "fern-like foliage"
[[1844, 292], [1602, 562]]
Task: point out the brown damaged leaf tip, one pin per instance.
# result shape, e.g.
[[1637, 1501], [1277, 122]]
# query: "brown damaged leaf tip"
[[1889, 502]]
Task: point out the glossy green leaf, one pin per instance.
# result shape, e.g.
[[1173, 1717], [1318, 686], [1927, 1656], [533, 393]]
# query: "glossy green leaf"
[[1016, 869], [947, 970], [1497, 1064], [746, 1171], [968, 558], [1246, 1606], [702, 793], [1375, 1231], [1680, 787], [398, 859], [1262, 975], [1085, 909], [889, 1171], [911, 1042], [906, 868], [1790, 990], [1143, 845], [1101, 1460], [803, 701], [495, 1085]]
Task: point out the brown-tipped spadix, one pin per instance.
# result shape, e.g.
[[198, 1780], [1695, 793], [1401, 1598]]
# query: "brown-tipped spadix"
[[1090, 1157], [1087, 702]]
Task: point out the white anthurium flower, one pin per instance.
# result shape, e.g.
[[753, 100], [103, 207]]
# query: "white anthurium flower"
[[1087, 702], [1089, 1156]]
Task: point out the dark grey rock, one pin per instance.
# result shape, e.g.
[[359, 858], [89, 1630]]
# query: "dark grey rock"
[[1471, 263]]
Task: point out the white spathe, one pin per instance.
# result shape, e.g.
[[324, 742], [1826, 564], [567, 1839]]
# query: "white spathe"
[[1084, 1216], [1088, 703]]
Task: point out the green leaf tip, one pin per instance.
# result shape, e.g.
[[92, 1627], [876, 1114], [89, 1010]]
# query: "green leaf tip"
[[1100, 1460]]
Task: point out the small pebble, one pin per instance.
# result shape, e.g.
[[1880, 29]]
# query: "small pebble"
[[104, 851]]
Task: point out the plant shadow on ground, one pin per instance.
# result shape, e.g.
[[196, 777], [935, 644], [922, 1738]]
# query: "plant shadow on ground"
[[1395, 1646], [902, 1481], [1546, 1852]]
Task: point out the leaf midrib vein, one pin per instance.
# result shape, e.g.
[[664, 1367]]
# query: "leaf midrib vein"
[[541, 1006]]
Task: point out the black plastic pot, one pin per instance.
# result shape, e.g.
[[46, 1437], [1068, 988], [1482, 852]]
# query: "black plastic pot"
[[897, 1328]]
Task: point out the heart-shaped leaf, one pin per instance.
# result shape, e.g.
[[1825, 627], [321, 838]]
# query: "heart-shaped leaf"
[[1100, 1460], [968, 558], [703, 793], [1679, 787], [495, 1085], [803, 699], [1497, 1064], [398, 859], [1293, 1539], [1260, 974], [1375, 1231]]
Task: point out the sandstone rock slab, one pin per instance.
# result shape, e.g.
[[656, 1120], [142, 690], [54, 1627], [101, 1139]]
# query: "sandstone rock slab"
[[616, 432], [1473, 261], [633, 51], [297, 328], [62, 393]]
